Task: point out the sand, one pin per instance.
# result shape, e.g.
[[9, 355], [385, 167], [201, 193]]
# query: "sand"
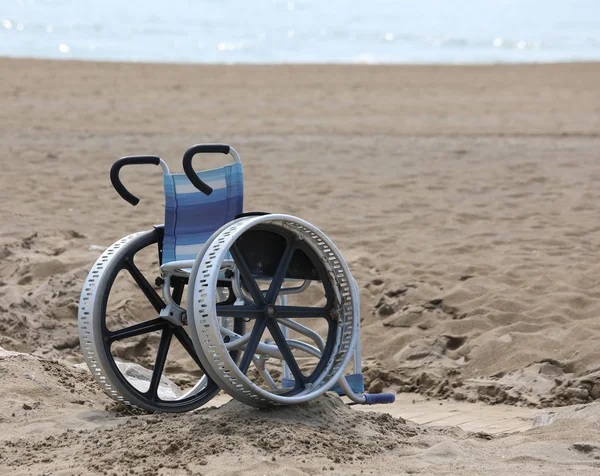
[[463, 198]]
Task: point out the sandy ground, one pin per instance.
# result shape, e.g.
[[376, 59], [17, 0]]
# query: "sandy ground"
[[464, 199]]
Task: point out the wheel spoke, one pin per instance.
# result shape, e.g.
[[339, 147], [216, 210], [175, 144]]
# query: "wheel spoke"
[[185, 341], [159, 363], [279, 276], [136, 330], [246, 274], [246, 312], [295, 312], [285, 350], [144, 285], [178, 292], [322, 272], [253, 341], [331, 340]]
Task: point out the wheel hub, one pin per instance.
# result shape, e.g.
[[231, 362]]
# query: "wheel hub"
[[270, 311]]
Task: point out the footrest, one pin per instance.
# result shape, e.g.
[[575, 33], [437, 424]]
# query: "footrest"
[[355, 381], [375, 398]]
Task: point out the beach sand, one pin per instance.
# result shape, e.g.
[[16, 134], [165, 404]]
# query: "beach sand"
[[465, 200]]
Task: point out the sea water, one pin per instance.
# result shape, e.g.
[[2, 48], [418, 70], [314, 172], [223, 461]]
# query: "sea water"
[[301, 31]]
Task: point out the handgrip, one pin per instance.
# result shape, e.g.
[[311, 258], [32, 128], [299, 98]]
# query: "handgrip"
[[130, 160], [374, 398], [189, 169]]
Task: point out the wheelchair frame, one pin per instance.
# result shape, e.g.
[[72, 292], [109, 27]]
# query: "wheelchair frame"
[[223, 367]]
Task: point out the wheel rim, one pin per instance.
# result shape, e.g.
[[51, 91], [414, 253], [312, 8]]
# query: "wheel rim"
[[340, 311]]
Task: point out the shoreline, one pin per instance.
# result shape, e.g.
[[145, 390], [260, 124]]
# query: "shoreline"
[[308, 63]]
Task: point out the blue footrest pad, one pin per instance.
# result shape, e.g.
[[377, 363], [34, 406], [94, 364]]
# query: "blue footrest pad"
[[374, 398], [356, 382]]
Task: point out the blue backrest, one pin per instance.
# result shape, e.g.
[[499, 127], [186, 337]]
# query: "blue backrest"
[[191, 217]]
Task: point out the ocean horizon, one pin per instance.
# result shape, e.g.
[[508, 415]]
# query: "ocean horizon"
[[303, 31]]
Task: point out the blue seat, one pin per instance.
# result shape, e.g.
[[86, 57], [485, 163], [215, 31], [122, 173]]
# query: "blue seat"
[[191, 217]]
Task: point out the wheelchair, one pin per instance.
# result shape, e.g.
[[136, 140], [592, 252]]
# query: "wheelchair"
[[263, 305]]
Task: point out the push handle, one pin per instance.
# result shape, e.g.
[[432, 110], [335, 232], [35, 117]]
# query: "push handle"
[[122, 162], [374, 398], [201, 149]]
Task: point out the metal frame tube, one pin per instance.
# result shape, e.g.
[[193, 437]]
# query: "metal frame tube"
[[301, 329], [164, 167], [264, 373], [357, 358]]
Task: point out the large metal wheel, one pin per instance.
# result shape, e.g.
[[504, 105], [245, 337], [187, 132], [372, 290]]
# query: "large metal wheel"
[[130, 383], [266, 255]]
